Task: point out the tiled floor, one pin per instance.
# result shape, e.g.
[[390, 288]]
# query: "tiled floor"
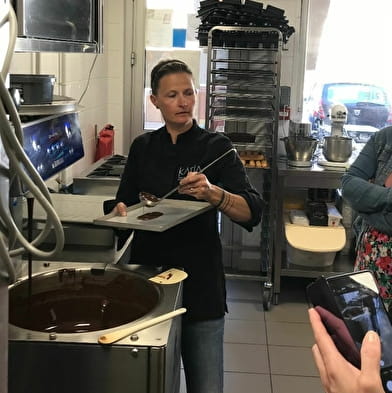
[[268, 351]]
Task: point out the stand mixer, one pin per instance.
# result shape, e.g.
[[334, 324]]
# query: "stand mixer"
[[337, 148]]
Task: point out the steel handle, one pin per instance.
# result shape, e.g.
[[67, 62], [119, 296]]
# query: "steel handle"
[[201, 171]]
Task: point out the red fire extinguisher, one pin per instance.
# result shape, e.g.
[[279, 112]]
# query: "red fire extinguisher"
[[105, 142]]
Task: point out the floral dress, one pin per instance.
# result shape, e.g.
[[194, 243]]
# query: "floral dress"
[[374, 253]]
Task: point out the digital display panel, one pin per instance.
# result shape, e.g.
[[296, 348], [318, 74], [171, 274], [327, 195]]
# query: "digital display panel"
[[54, 143]]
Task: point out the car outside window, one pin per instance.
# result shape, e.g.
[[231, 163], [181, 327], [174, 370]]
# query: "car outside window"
[[368, 106]]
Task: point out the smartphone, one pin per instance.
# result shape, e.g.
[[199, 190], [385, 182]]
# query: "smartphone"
[[354, 299]]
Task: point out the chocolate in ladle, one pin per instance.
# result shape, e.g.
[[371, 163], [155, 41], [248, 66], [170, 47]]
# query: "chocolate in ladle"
[[151, 200], [149, 197], [77, 302]]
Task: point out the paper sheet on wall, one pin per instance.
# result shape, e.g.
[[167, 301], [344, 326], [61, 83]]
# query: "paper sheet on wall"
[[159, 30], [192, 26]]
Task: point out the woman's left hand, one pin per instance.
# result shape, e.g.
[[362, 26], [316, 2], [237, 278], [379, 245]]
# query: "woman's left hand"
[[197, 185]]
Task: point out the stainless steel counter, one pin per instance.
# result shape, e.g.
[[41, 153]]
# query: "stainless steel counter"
[[315, 176], [84, 241]]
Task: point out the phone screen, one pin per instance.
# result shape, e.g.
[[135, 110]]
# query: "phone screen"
[[362, 309]]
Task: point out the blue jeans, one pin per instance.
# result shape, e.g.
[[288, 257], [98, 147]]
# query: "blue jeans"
[[202, 355]]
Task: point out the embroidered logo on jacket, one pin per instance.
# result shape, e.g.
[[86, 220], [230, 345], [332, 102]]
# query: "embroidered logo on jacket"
[[182, 172]]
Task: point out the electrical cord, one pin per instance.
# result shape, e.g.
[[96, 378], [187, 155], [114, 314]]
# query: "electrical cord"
[[13, 139], [88, 79], [9, 17], [7, 261], [23, 170]]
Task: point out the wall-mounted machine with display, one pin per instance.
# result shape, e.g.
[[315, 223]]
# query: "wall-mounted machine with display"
[[53, 143]]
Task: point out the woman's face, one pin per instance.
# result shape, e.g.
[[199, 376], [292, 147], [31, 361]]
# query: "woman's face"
[[175, 99]]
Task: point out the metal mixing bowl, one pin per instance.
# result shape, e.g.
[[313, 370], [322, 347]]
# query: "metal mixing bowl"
[[337, 148], [299, 148]]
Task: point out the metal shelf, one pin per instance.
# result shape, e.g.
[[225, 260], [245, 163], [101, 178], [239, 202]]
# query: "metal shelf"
[[241, 85], [244, 48], [252, 146], [314, 177], [245, 117], [249, 96], [60, 104], [239, 62]]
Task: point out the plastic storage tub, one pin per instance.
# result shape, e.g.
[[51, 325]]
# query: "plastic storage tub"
[[313, 246], [309, 258]]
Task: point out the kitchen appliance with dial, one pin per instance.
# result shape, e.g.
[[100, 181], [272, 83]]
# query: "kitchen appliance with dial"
[[337, 147]]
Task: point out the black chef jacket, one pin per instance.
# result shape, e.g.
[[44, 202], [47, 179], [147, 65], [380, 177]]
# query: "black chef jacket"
[[156, 165]]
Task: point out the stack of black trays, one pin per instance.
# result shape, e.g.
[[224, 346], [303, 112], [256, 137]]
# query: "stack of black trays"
[[234, 13]]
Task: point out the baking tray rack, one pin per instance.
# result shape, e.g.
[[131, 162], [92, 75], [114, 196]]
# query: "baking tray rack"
[[242, 100]]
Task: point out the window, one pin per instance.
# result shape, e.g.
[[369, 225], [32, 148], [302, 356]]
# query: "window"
[[348, 61], [171, 33]]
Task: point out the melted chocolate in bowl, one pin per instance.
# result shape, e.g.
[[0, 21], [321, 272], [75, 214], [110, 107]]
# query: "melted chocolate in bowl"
[[77, 301]]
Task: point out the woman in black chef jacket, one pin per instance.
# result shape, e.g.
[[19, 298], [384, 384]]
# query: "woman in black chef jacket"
[[157, 162]]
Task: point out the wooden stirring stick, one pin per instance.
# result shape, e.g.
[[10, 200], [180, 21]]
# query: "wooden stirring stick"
[[117, 335]]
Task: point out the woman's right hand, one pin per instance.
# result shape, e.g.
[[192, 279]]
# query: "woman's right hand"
[[120, 209], [336, 373]]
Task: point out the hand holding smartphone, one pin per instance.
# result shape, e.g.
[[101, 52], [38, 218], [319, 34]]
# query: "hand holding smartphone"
[[349, 305]]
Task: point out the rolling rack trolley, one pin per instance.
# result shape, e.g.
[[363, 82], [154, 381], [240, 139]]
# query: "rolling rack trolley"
[[242, 100]]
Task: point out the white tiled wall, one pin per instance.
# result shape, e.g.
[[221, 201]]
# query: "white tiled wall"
[[102, 102]]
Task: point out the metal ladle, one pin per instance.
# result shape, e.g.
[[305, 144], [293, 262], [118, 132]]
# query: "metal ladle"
[[150, 200]]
